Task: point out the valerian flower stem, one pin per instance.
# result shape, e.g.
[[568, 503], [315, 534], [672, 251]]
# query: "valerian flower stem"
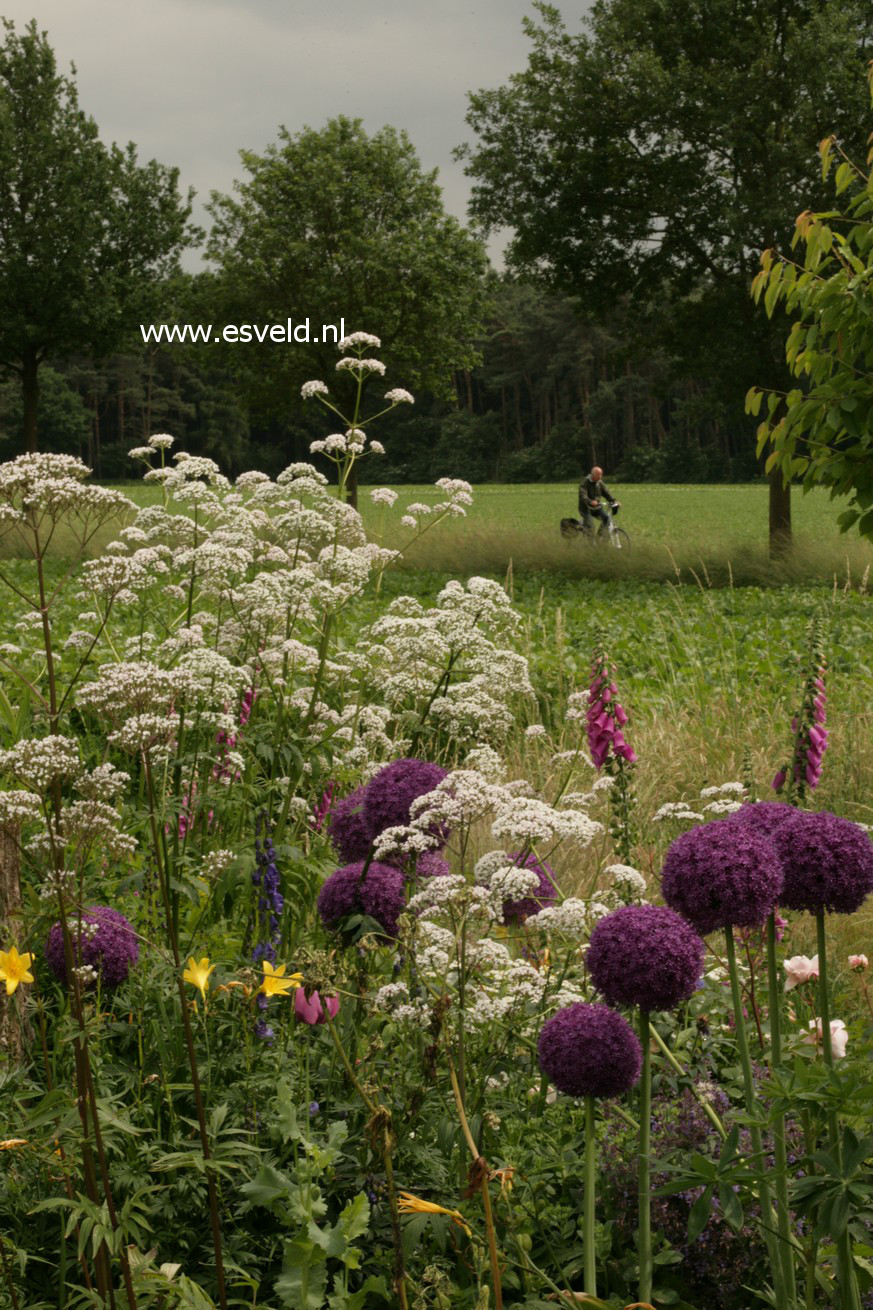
[[189, 1037], [379, 1115], [482, 1169]]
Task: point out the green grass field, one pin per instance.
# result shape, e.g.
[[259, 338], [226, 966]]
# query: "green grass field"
[[716, 533]]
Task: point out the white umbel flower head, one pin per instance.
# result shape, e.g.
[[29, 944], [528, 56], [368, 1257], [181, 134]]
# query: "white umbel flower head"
[[358, 340], [352, 365], [315, 388], [398, 396]]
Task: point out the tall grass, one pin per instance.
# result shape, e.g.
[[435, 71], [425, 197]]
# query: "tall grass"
[[483, 548]]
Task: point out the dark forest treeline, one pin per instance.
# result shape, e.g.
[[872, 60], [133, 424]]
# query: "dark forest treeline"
[[555, 391]]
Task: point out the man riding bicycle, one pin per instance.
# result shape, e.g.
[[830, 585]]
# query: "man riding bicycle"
[[592, 492]]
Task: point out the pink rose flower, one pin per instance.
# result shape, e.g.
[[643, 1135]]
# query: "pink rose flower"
[[858, 962], [839, 1036], [311, 1009], [799, 969]]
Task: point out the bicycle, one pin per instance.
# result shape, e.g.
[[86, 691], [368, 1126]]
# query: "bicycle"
[[608, 535]]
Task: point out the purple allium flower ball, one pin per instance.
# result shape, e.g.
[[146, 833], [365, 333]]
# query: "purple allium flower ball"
[[763, 817], [431, 864], [645, 955], [827, 862], [590, 1050], [112, 950], [388, 796], [381, 895], [348, 828], [722, 873], [545, 894]]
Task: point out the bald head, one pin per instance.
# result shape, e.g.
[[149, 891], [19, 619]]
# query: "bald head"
[[596, 473]]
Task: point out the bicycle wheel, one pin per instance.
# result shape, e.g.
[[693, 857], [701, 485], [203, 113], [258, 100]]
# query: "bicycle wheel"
[[619, 540]]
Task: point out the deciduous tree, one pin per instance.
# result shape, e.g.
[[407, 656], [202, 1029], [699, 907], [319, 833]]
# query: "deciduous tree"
[[86, 231]]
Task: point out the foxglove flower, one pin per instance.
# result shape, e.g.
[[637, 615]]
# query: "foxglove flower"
[[809, 727], [605, 716]]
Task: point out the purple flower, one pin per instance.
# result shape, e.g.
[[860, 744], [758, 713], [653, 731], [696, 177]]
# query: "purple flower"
[[348, 828], [590, 1050], [271, 902], [388, 796], [605, 716], [381, 895], [763, 817], [827, 863], [645, 955], [112, 950], [430, 864], [721, 873], [312, 1009], [545, 894]]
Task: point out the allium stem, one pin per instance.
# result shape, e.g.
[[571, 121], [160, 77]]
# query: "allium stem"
[[768, 1218], [645, 1162], [590, 1185], [850, 1297], [783, 1214]]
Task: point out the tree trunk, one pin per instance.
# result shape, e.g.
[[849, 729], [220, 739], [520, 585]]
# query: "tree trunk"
[[780, 514], [30, 394], [352, 486], [14, 1030]]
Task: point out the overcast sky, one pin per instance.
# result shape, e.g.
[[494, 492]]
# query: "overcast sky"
[[193, 81]]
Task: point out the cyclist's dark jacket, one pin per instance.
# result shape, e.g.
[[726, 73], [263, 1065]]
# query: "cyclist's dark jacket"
[[590, 490]]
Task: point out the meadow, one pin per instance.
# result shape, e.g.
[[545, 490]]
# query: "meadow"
[[308, 1053]]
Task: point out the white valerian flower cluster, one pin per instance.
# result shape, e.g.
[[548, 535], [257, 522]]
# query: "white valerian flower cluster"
[[677, 810], [40, 761], [722, 806], [17, 807], [572, 919], [736, 789], [351, 364], [628, 882], [383, 496], [359, 341]]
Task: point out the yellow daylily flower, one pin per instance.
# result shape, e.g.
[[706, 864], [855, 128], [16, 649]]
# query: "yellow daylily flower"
[[409, 1204], [275, 983], [15, 969], [197, 974]]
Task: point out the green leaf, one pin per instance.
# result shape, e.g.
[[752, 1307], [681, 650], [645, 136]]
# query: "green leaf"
[[699, 1214]]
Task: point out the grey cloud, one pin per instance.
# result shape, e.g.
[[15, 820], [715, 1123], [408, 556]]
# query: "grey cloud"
[[193, 81]]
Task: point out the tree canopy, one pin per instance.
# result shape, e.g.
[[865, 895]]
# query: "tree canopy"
[[653, 156], [334, 223], [86, 231], [822, 429]]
